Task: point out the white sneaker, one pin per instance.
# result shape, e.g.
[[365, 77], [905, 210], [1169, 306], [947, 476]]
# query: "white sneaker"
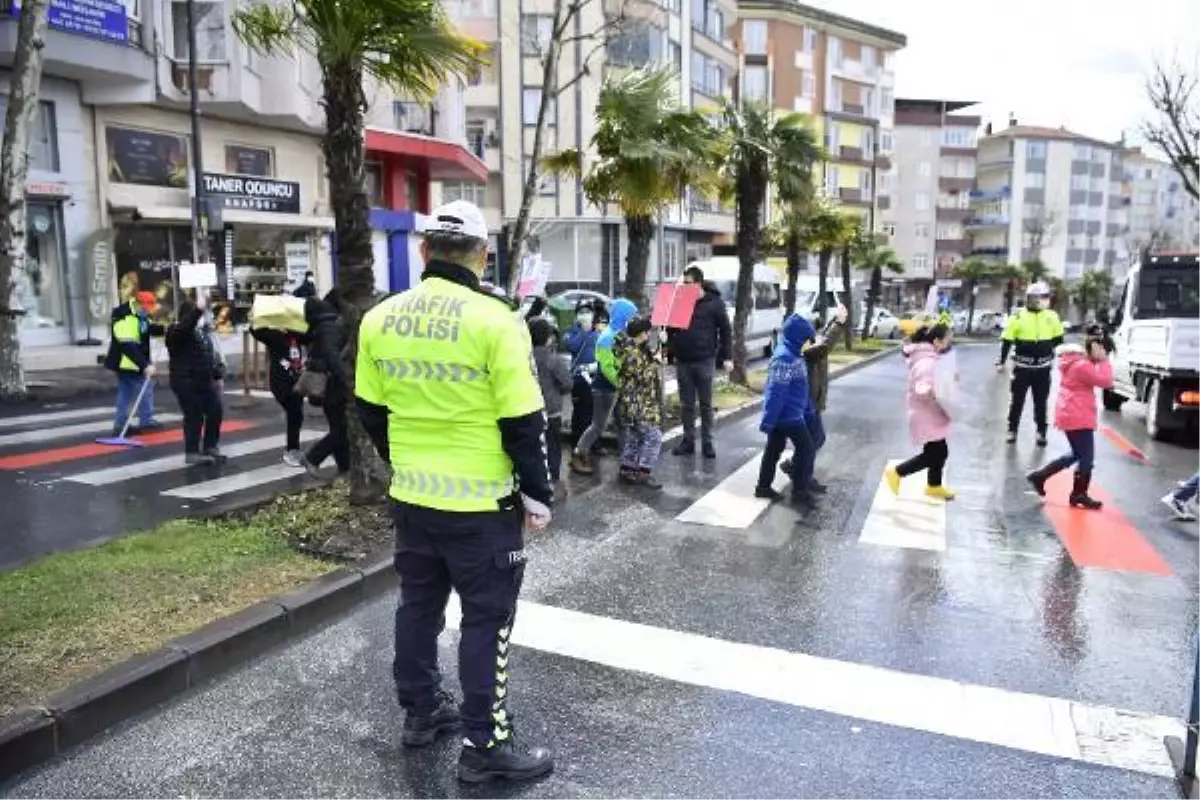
[[294, 458], [1181, 510]]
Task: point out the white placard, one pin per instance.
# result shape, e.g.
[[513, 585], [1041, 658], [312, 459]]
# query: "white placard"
[[197, 276]]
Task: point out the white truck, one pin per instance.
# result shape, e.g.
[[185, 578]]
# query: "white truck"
[[1156, 330]]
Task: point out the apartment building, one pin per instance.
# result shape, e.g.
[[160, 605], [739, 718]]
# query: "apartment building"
[[924, 196], [1050, 194], [111, 181], [586, 246], [835, 68], [1161, 213]]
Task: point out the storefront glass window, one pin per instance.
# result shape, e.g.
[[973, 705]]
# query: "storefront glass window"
[[411, 179], [262, 260], [39, 289], [144, 260]]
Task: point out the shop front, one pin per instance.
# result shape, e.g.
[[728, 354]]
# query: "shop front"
[[266, 228]]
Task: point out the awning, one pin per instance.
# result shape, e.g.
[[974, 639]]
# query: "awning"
[[447, 160], [264, 219]]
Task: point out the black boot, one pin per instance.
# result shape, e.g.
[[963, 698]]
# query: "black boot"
[[767, 493], [1012, 436], [1037, 479], [421, 730], [506, 760], [685, 448], [1041, 439], [1079, 493]]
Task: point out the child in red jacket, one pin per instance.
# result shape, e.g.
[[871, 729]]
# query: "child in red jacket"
[[1082, 370]]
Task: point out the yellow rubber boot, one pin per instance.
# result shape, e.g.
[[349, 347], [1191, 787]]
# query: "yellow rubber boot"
[[893, 479], [939, 492]]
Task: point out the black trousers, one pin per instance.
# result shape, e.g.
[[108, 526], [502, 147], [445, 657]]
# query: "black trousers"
[[202, 413], [480, 556], [1024, 380], [802, 464], [336, 443], [932, 459], [293, 409], [554, 446], [581, 408]]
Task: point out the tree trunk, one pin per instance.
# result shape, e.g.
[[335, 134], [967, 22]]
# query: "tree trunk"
[[14, 167], [1009, 295], [793, 273], [343, 146], [751, 192], [970, 308], [849, 326], [823, 259], [514, 245], [872, 298], [637, 259]]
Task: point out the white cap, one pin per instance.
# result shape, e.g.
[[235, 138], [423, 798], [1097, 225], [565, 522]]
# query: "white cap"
[[458, 218], [1039, 289]]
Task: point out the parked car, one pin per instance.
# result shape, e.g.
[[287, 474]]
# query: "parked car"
[[985, 323], [886, 325]]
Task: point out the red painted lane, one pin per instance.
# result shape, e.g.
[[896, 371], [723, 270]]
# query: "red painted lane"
[[1104, 539], [75, 452], [1123, 444]]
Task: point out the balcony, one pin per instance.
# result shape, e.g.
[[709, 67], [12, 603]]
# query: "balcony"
[[950, 213], [854, 196], [989, 252], [993, 161], [984, 195], [955, 184], [959, 246], [983, 222], [851, 155], [851, 112], [851, 70], [484, 95], [103, 53]]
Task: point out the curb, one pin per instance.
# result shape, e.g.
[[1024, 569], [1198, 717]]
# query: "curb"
[[31, 736]]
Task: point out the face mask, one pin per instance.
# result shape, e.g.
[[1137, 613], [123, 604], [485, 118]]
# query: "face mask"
[[584, 320], [1033, 304]]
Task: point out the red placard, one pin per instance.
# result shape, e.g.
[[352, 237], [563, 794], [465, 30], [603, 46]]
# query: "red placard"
[[674, 304]]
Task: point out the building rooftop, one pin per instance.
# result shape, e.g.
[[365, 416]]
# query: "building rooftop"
[[1040, 132], [936, 106], [826, 17]]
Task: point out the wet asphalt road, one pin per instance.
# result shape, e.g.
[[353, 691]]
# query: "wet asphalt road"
[[1003, 606]]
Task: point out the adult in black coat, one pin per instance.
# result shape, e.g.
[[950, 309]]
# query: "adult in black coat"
[[195, 370], [327, 340], [698, 349], [286, 355]]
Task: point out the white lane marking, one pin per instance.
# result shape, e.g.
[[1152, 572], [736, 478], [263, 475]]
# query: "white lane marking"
[[261, 394], [910, 520], [731, 503], [57, 416], [154, 466], [68, 431], [1032, 723], [207, 490]]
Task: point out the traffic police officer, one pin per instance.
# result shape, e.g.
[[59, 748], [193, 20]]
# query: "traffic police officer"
[[1032, 334], [447, 390]]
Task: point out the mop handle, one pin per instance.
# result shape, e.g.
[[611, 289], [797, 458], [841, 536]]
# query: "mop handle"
[[137, 403]]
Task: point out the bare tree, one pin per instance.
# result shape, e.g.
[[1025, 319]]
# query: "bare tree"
[[14, 167], [565, 30], [1176, 125], [1040, 230], [1156, 239]]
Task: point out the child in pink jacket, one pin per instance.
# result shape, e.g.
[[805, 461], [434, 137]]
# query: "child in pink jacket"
[[1082, 370], [928, 422]]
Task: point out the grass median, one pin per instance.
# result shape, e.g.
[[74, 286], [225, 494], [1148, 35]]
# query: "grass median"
[[69, 615]]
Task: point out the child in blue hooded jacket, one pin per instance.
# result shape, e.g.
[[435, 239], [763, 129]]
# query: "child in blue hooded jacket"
[[604, 387], [787, 412]]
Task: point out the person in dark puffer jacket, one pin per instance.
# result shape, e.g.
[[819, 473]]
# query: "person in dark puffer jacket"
[[327, 336], [555, 382], [285, 349], [194, 375], [698, 350], [787, 412]]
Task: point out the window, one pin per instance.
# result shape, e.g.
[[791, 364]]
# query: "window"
[[831, 181], [885, 142], [919, 262], [698, 15], [1083, 152], [675, 51], [868, 57], [886, 101], [1080, 182], [536, 31], [471, 192], [808, 83], [835, 98], [1077, 212], [866, 141], [671, 5], [43, 136], [531, 102], [754, 83], [958, 137], [889, 61], [835, 49], [1035, 180], [715, 24], [210, 30], [921, 201], [476, 131], [889, 228], [243, 160], [547, 182], [948, 230], [636, 44], [834, 139], [373, 183], [926, 169], [766, 296], [754, 36], [413, 117], [1035, 150], [864, 181], [921, 230], [699, 67], [810, 40]]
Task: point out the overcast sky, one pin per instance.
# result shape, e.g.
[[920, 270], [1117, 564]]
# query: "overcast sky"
[[1050, 62]]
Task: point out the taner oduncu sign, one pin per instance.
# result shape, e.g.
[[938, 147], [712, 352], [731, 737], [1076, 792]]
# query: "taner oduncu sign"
[[251, 193]]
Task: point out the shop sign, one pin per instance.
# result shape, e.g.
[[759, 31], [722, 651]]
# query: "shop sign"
[[98, 252], [102, 19], [297, 259], [254, 194], [43, 189], [147, 158]]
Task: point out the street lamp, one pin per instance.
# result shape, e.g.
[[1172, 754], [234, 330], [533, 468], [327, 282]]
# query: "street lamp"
[[199, 204]]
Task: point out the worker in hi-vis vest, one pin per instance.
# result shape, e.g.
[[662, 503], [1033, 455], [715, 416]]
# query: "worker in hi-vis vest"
[[1031, 334], [448, 391]]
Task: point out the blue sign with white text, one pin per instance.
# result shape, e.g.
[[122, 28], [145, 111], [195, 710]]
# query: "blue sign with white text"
[[102, 19]]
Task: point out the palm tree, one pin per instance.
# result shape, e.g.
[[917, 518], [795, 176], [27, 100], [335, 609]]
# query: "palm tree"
[[759, 146], [648, 151], [871, 257], [1093, 291], [827, 228], [1059, 292], [795, 189], [1034, 270], [973, 271], [409, 45], [1012, 275]]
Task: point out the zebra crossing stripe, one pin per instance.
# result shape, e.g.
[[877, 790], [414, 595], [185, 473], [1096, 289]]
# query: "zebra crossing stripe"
[[209, 490], [56, 416], [76, 452], [68, 431], [171, 463]]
